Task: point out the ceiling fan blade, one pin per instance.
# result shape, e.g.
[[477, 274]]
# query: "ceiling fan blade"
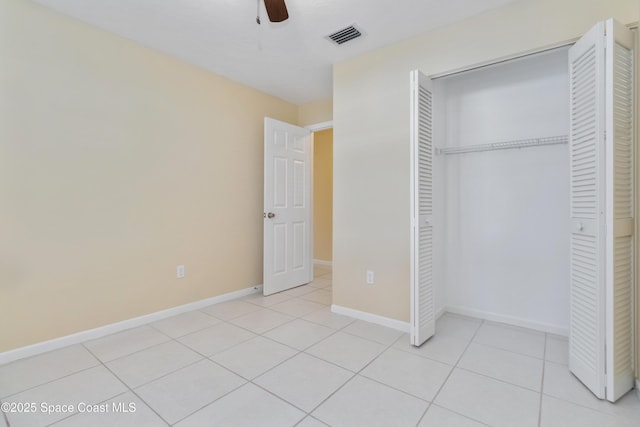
[[277, 10]]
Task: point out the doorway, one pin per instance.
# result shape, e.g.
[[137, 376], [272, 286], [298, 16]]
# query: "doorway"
[[323, 198]]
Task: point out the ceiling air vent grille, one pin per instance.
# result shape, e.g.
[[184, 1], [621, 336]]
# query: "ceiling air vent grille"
[[345, 35]]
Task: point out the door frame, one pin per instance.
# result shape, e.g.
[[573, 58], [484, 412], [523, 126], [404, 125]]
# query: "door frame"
[[316, 128], [320, 126]]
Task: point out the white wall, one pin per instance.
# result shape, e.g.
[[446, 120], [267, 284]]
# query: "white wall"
[[506, 212]]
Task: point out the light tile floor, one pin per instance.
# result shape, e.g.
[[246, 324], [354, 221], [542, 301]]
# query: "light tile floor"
[[286, 360]]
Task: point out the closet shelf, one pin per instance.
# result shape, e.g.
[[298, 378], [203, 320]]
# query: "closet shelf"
[[506, 145]]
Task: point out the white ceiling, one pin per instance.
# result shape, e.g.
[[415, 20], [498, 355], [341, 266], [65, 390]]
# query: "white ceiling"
[[291, 60]]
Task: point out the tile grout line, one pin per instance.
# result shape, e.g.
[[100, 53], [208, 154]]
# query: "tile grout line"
[[462, 415], [356, 374], [509, 351], [168, 373], [392, 387], [203, 357], [129, 388], [250, 381], [128, 354], [312, 417], [100, 362], [108, 398], [301, 317], [191, 332], [275, 327], [264, 332], [229, 323], [371, 340], [78, 413], [544, 365], [430, 358], [482, 321], [61, 378], [209, 358], [429, 402], [543, 360], [335, 331], [497, 379], [4, 415], [136, 394], [207, 404], [297, 352], [435, 396], [304, 411], [307, 413], [295, 355], [584, 406], [149, 406], [53, 380]]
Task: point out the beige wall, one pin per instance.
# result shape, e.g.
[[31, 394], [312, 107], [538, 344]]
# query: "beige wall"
[[315, 112], [118, 163], [371, 131], [322, 194]]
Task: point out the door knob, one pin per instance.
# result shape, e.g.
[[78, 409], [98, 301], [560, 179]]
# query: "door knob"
[[270, 215], [580, 226]]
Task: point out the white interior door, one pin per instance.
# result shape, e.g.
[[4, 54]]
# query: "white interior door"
[[422, 298], [601, 206], [288, 250]]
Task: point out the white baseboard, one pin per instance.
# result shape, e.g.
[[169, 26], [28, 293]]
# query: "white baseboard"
[[638, 388], [90, 334], [323, 262], [510, 320], [372, 318], [406, 327]]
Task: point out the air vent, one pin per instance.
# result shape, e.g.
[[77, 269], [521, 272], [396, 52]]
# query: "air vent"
[[345, 35]]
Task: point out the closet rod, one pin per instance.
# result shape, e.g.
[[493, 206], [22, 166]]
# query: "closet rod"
[[506, 145]]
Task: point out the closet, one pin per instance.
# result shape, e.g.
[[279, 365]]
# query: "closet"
[[522, 200]]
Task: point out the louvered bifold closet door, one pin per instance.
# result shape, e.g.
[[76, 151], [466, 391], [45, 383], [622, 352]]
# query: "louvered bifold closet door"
[[620, 209], [587, 257], [602, 210], [422, 298]]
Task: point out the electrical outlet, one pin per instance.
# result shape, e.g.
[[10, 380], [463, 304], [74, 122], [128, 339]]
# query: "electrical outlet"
[[370, 277], [180, 272]]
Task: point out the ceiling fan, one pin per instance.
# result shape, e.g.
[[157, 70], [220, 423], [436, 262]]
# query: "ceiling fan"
[[276, 9]]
